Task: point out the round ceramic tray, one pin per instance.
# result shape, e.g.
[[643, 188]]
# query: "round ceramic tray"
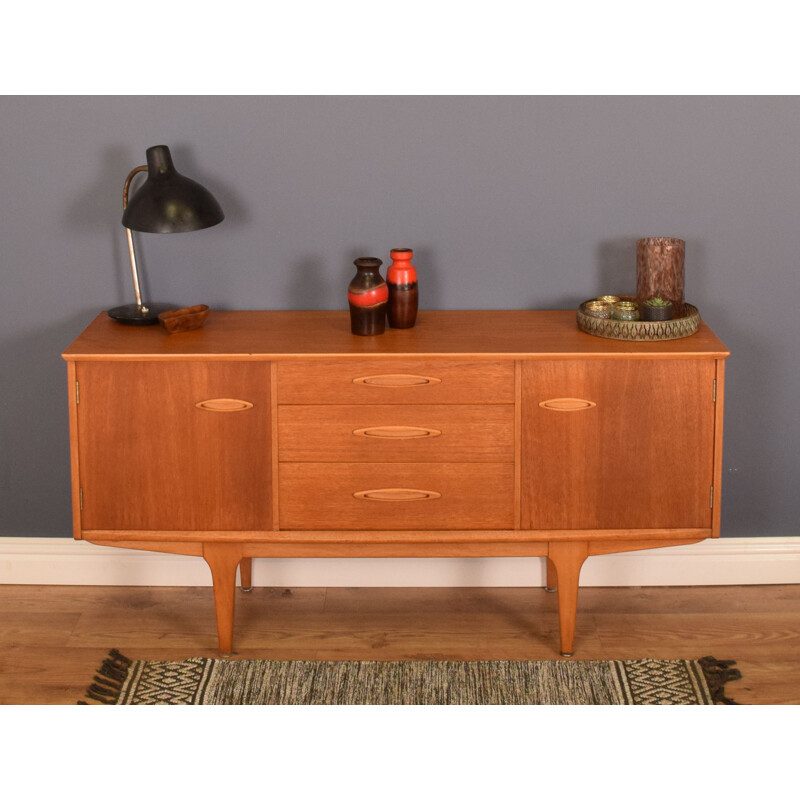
[[640, 330]]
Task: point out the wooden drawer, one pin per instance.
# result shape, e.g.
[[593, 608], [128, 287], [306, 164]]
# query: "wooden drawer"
[[416, 433], [373, 381], [396, 496]]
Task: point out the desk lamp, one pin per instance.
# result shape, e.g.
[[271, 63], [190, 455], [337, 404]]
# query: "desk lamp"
[[167, 202]]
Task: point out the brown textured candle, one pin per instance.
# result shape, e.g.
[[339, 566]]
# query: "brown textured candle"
[[659, 271]]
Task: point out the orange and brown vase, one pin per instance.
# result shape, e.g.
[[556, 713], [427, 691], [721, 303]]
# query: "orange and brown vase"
[[368, 297], [403, 292]]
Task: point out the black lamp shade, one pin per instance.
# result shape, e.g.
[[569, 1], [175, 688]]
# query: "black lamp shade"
[[168, 202]]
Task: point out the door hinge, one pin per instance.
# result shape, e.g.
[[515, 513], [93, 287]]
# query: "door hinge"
[[715, 391], [80, 498], [77, 393], [711, 498]]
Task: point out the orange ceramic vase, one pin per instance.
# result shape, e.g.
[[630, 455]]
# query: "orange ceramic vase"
[[403, 292]]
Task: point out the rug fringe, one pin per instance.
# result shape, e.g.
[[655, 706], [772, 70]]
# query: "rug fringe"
[[109, 679], [717, 674]]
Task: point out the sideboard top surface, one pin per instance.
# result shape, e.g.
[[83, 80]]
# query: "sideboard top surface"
[[272, 335]]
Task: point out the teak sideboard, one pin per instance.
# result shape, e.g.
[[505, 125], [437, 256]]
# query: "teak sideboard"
[[476, 433]]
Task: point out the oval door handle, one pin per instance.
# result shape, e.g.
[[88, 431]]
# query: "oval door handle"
[[567, 404], [396, 432], [224, 404], [397, 380], [394, 495]]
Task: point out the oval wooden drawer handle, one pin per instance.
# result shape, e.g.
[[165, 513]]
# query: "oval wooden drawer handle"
[[224, 404], [397, 432], [395, 495], [396, 380], [567, 404]]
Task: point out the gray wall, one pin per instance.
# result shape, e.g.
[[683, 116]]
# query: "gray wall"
[[508, 202]]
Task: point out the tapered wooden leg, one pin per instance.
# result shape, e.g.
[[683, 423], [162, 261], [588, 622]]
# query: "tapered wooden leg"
[[552, 580], [246, 574], [223, 558], [567, 558]]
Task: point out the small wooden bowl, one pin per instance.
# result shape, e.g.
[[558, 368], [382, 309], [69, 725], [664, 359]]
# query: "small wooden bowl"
[[183, 319]]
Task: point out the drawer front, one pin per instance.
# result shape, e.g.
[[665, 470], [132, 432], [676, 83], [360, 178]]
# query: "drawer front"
[[387, 433], [396, 496], [374, 381]]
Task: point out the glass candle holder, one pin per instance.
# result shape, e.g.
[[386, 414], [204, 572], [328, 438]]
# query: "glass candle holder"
[[609, 298], [626, 310], [598, 308], [660, 270]]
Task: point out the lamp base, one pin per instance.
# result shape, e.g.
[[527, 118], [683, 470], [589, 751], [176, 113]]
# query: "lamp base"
[[133, 314]]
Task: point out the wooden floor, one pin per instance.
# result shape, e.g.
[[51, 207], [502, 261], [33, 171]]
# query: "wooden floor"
[[53, 638]]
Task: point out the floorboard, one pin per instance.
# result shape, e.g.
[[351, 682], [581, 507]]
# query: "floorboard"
[[53, 638]]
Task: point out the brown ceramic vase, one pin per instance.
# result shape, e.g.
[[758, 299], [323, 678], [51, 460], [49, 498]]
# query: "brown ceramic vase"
[[368, 296]]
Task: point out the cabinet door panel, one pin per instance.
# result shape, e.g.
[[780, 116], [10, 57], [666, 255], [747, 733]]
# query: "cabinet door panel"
[[151, 459], [617, 444]]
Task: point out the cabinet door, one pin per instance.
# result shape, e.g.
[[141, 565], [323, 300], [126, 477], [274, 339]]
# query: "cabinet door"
[[617, 444], [151, 458]]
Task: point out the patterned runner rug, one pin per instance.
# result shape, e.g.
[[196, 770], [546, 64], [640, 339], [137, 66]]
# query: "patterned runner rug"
[[206, 681]]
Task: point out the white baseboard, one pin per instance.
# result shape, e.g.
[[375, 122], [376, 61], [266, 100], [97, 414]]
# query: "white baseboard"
[[59, 561]]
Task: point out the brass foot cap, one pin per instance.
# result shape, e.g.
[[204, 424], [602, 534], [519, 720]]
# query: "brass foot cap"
[[248, 589], [567, 655], [548, 589]]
